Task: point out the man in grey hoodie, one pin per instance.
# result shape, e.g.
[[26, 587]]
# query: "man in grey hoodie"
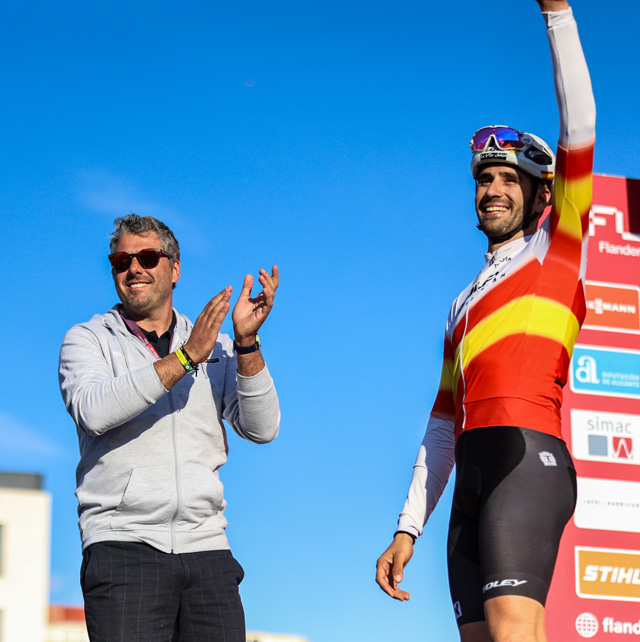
[[148, 391]]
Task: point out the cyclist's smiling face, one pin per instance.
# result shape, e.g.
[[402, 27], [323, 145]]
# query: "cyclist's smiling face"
[[501, 194]]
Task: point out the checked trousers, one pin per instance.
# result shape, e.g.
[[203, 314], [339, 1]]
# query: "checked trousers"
[[136, 593]]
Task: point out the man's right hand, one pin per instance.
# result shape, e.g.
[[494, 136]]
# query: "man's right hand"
[[205, 330], [390, 566]]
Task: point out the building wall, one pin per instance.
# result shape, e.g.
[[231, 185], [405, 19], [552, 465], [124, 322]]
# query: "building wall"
[[66, 624], [25, 534]]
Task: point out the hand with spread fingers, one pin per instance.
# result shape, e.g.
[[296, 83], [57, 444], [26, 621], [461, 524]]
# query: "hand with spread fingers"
[[205, 330], [250, 312]]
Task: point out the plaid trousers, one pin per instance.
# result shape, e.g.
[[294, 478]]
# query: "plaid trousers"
[[136, 593]]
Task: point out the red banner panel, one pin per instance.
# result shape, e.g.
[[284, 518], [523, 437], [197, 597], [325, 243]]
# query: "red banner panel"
[[595, 592]]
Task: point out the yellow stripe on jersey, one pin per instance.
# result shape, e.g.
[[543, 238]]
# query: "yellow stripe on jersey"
[[574, 198], [446, 378], [533, 315]]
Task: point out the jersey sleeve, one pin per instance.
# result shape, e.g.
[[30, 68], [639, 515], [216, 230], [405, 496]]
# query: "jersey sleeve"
[[574, 94], [430, 475], [569, 217], [435, 458]]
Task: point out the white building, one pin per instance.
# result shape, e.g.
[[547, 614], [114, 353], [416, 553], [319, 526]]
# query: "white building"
[[25, 536]]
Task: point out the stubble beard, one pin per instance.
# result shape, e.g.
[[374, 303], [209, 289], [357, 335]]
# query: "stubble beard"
[[143, 304], [493, 228]]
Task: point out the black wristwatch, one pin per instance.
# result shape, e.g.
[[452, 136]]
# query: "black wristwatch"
[[247, 349]]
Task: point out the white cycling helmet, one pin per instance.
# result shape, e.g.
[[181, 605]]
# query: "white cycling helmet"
[[500, 144]]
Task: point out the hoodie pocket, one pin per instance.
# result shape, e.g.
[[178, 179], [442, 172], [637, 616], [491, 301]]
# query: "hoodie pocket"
[[148, 501], [201, 502]]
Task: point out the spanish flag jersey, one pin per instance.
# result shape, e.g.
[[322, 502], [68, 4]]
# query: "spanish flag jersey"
[[510, 334]]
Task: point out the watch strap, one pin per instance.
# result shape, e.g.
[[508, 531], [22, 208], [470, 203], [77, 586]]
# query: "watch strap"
[[254, 347]]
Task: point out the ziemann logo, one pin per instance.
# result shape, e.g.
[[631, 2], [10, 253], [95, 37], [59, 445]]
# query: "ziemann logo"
[[608, 574], [612, 307]]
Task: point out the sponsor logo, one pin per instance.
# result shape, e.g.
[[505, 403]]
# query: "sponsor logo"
[[605, 436], [492, 153], [502, 583], [608, 505], [587, 625], [604, 247], [547, 458], [487, 277], [612, 307], [457, 609], [622, 448], [601, 216], [586, 370], [610, 625], [608, 574], [538, 156], [604, 371]]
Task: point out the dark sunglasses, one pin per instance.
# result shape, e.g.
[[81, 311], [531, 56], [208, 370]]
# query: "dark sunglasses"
[[147, 258]]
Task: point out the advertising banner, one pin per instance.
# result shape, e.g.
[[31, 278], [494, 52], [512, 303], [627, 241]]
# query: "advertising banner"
[[595, 592]]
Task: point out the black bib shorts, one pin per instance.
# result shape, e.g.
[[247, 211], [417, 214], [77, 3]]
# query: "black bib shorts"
[[515, 490]]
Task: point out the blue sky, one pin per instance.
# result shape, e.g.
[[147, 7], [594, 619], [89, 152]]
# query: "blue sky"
[[329, 138]]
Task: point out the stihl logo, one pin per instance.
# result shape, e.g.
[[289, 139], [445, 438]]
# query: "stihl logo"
[[501, 583], [613, 574], [609, 574]]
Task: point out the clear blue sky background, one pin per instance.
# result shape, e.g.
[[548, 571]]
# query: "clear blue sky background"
[[329, 138]]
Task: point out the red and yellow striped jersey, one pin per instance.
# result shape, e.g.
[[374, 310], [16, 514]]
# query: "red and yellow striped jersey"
[[511, 333]]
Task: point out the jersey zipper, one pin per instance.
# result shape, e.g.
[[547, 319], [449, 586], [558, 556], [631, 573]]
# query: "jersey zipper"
[[462, 374], [468, 304], [176, 463]]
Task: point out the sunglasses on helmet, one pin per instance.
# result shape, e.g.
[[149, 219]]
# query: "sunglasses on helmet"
[[505, 137], [147, 258]]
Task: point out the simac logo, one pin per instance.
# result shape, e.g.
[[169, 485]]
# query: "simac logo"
[[622, 448], [605, 436], [610, 448]]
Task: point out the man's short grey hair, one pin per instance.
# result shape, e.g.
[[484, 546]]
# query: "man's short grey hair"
[[141, 225]]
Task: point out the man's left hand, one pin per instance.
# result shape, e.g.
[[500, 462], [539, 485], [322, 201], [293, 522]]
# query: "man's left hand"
[[250, 312]]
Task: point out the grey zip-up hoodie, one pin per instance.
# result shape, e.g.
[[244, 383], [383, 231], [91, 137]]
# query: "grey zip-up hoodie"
[[149, 457]]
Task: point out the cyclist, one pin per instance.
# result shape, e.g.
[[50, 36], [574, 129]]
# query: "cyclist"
[[508, 343]]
